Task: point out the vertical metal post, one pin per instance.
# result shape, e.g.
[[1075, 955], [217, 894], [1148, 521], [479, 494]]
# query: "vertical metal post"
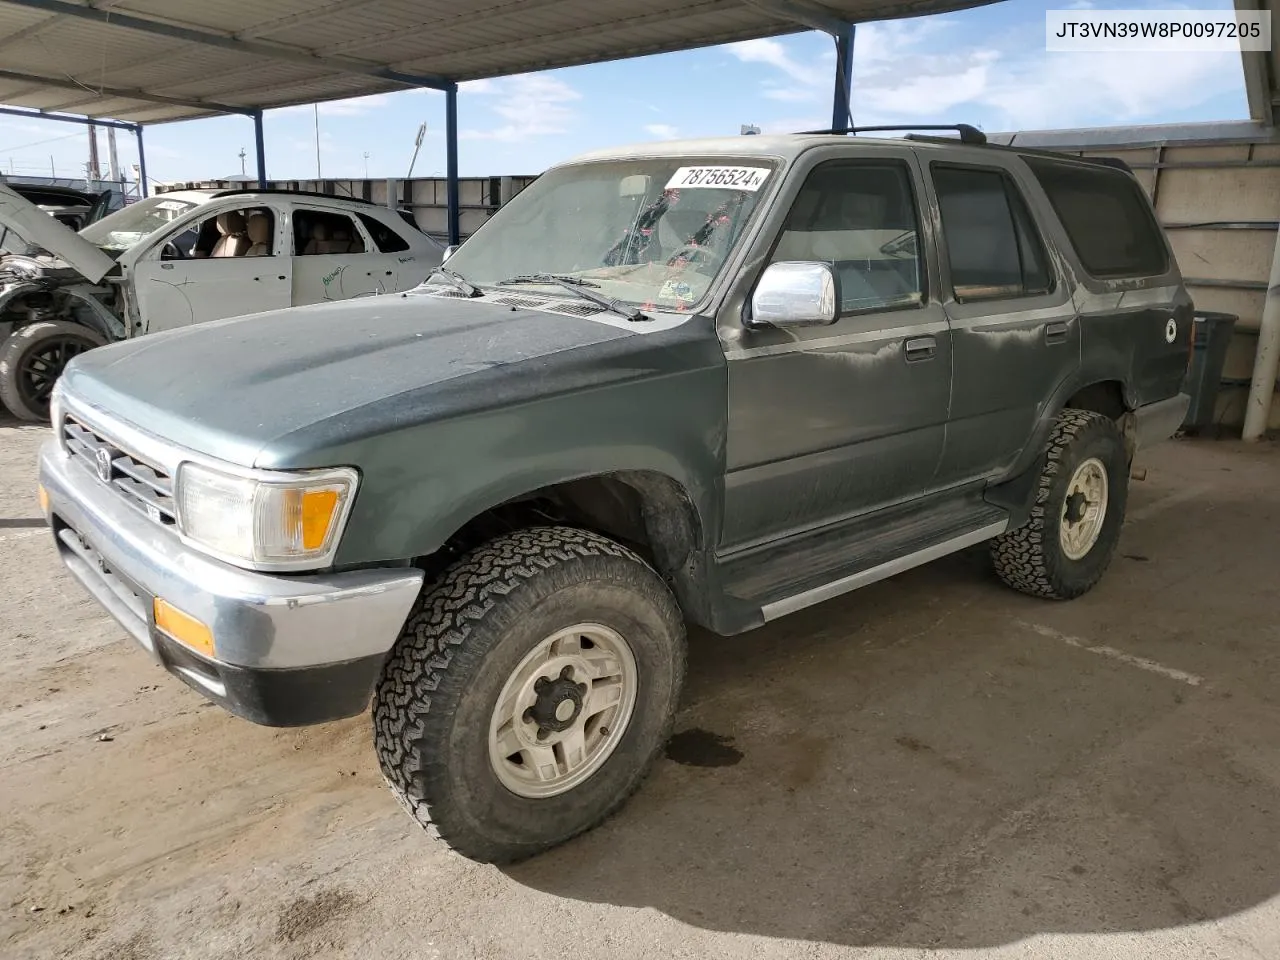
[[451, 160], [142, 164], [260, 147], [842, 101], [1266, 362]]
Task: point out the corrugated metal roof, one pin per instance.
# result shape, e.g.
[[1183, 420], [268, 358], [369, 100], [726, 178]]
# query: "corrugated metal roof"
[[152, 61]]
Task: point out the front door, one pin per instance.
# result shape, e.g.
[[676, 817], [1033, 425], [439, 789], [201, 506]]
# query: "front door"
[[1015, 334], [826, 423], [236, 266]]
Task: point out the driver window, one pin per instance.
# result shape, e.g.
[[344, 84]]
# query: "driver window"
[[233, 233], [861, 218]]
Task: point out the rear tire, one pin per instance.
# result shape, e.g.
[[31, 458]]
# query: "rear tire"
[[501, 664], [32, 359], [1066, 546]]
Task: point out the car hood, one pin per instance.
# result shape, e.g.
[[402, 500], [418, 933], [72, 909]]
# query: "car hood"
[[37, 227], [235, 388]]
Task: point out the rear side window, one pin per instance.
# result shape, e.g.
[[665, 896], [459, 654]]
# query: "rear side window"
[[384, 238], [992, 245], [1106, 216], [317, 233]]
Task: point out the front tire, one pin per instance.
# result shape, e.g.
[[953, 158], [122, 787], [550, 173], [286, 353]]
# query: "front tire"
[[1067, 544], [32, 359], [529, 692]]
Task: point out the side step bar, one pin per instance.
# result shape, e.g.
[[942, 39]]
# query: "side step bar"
[[780, 608]]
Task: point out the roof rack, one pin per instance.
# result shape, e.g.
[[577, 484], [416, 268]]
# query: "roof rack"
[[293, 193], [968, 133]]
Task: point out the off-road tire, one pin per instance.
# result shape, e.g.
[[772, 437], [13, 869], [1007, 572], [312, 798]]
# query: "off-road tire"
[[1030, 559], [463, 638], [24, 342]]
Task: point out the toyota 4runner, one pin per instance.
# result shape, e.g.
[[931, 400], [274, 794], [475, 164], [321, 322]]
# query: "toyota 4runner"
[[708, 382]]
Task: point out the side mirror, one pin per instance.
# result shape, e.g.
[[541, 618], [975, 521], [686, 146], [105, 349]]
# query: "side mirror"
[[449, 251], [795, 294]]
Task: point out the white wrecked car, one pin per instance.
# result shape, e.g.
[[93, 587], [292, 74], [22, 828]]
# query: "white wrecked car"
[[182, 258]]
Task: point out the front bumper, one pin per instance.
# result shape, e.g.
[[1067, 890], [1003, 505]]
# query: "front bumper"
[[289, 650]]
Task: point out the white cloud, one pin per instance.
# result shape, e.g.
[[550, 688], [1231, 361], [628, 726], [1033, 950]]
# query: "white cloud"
[[663, 131], [902, 74], [532, 105]]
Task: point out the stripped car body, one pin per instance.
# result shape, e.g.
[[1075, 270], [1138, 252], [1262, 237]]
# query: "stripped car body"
[[183, 258]]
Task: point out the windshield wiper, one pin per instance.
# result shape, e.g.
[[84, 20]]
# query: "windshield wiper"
[[582, 288], [459, 281]]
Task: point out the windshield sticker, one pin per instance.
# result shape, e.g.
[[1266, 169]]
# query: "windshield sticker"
[[172, 205], [724, 178]]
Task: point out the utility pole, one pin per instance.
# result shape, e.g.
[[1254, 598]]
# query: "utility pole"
[[242, 156], [366, 164], [113, 163], [317, 110], [95, 170]]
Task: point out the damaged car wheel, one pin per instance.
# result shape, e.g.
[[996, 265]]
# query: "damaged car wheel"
[[32, 359]]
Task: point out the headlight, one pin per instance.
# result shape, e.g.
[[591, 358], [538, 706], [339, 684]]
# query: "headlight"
[[279, 520]]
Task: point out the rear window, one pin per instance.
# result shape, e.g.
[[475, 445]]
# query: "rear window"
[[1106, 216]]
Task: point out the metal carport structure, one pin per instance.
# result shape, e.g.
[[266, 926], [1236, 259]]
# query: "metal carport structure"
[[139, 62]]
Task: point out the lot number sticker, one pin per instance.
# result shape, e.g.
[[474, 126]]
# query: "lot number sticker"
[[725, 178]]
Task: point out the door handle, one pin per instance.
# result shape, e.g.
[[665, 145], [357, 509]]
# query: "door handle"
[[920, 348], [1056, 332], [166, 266]]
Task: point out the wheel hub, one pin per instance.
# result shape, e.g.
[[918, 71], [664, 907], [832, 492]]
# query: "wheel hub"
[[563, 710], [558, 705], [1076, 503], [1084, 509]]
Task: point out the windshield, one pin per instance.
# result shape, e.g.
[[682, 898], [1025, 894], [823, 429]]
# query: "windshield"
[[127, 226], [651, 232]]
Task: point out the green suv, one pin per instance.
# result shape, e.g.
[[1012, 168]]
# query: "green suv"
[[707, 382]]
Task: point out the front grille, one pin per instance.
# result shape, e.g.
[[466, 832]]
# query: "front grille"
[[144, 487]]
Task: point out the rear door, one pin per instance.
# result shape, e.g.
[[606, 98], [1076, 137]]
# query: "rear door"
[[331, 257], [1014, 332]]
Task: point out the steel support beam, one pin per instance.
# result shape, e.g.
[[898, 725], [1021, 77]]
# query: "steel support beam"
[[451, 161], [842, 99], [119, 93], [143, 191], [208, 38], [260, 150], [83, 121]]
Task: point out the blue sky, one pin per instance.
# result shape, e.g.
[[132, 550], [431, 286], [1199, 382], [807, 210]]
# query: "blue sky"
[[985, 66]]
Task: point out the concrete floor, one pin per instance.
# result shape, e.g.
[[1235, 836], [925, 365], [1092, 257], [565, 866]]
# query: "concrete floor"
[[931, 767]]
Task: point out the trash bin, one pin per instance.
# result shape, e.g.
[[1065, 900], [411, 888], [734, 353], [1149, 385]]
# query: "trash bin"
[[1210, 341]]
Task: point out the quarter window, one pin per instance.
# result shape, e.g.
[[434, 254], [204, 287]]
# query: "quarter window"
[[384, 238], [861, 219], [1106, 216], [992, 245]]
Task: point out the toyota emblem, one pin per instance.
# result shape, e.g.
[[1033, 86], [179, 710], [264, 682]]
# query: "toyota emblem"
[[102, 460]]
